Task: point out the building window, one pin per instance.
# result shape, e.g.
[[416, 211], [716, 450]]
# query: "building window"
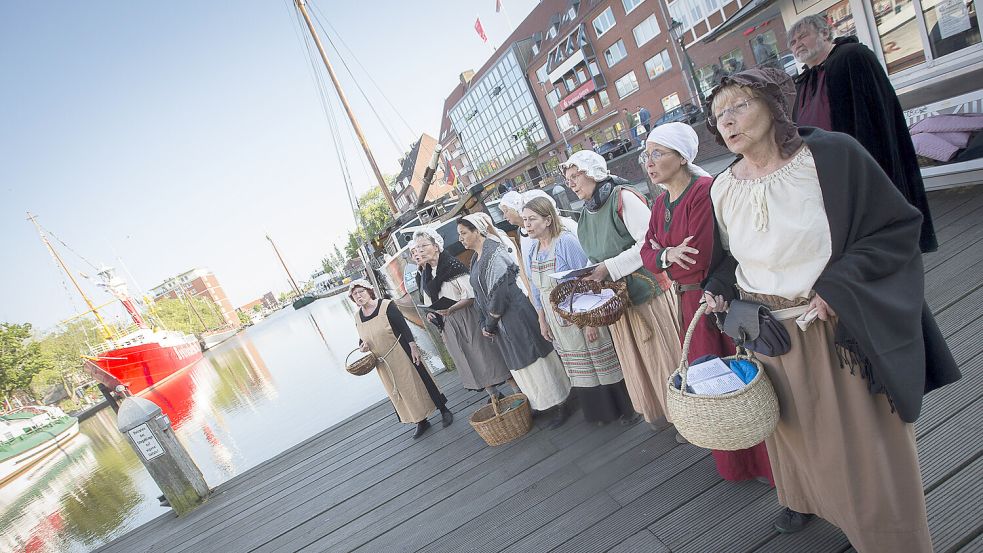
[[646, 30], [765, 49], [604, 22], [592, 105], [630, 5], [603, 97], [570, 82], [594, 69], [953, 25], [658, 64], [671, 101], [733, 61], [541, 74], [626, 85], [581, 112], [582, 75], [564, 122], [553, 97], [615, 53]]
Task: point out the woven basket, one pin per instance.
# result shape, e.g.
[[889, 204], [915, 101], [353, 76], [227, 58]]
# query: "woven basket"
[[605, 315], [361, 366], [498, 428], [737, 420]]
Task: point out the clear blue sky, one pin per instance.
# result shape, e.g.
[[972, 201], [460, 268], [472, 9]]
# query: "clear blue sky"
[[176, 134]]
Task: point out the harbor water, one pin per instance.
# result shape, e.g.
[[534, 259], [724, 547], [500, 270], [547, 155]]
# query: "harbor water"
[[270, 387]]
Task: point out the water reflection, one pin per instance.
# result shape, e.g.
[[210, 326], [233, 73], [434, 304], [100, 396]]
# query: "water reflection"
[[269, 388]]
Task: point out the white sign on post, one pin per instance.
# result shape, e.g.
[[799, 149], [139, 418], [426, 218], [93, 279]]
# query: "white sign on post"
[[146, 442]]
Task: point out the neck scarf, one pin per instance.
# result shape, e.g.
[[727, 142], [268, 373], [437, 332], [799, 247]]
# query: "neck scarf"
[[448, 267]]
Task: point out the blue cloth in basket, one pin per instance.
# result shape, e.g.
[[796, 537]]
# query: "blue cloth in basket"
[[744, 369]]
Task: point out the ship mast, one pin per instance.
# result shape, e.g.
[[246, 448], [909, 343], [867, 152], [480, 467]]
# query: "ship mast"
[[280, 257], [302, 6], [105, 328]]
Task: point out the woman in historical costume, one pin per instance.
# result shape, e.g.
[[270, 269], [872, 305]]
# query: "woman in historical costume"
[[509, 320], [446, 286], [611, 230], [679, 243], [408, 383], [587, 354], [806, 218]]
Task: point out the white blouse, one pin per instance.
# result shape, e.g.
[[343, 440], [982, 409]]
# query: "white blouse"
[[635, 215], [775, 227], [457, 289]]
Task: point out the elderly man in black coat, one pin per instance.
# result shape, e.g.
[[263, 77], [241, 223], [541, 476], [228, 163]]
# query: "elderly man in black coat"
[[844, 88]]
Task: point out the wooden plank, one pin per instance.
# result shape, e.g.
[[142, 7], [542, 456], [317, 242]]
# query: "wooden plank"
[[974, 546], [957, 316], [965, 235], [948, 283], [954, 444], [954, 508], [642, 542], [640, 482], [967, 200], [553, 531], [818, 536], [745, 530], [705, 513], [939, 405]]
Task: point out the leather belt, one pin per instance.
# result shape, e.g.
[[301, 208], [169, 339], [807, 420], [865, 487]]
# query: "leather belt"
[[688, 287]]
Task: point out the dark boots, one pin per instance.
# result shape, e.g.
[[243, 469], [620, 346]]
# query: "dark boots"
[[421, 427], [789, 521]]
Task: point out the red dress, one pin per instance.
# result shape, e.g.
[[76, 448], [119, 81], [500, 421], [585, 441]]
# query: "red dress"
[[692, 215]]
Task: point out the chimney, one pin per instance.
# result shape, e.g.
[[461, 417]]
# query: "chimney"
[[466, 77]]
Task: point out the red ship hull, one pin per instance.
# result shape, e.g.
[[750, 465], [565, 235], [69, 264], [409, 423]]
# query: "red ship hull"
[[141, 366]]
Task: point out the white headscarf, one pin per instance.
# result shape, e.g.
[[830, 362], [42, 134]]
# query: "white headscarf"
[[590, 162], [681, 138], [434, 236], [361, 283], [513, 200], [568, 223], [486, 227]]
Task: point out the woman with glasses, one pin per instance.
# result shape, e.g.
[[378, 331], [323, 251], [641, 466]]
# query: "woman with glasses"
[[809, 224], [679, 244], [509, 321], [383, 330], [611, 229], [446, 286], [587, 354]]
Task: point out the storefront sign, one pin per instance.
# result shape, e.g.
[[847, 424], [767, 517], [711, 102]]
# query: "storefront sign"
[[577, 95], [953, 17]]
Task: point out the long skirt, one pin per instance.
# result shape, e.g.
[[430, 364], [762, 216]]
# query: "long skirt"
[[839, 452], [479, 362], [647, 341], [606, 402], [544, 382]]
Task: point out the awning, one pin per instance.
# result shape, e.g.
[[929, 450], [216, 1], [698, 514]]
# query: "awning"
[[757, 9]]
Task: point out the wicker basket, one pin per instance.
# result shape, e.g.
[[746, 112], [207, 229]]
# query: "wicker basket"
[[737, 420], [498, 428], [605, 315], [361, 366]]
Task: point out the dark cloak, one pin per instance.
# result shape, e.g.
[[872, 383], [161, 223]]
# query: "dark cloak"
[[430, 281], [864, 105], [874, 280]]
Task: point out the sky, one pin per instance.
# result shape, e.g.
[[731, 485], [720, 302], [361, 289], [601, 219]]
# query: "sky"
[[158, 137]]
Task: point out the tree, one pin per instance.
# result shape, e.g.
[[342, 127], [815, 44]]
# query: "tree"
[[20, 359], [62, 351], [177, 314], [243, 318]]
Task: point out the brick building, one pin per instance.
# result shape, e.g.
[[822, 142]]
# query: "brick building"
[[198, 283], [409, 181]]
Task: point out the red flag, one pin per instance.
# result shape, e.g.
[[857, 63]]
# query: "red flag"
[[498, 6], [480, 30], [451, 177]]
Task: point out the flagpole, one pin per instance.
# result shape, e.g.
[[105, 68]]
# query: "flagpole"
[[501, 4]]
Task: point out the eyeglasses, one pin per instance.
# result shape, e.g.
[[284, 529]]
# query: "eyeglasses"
[[737, 109], [572, 180], [644, 157]]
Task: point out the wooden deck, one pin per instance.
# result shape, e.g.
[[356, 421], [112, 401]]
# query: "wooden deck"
[[365, 485]]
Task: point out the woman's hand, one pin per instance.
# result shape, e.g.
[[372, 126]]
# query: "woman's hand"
[[415, 353], [544, 328], [590, 333], [679, 254], [599, 274], [364, 347], [432, 317], [823, 310], [654, 245], [486, 334], [715, 304], [445, 312]]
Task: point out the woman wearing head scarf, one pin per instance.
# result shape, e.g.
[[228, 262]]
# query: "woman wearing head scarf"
[[807, 220], [679, 243], [611, 230], [446, 286], [509, 320], [587, 354], [409, 385]]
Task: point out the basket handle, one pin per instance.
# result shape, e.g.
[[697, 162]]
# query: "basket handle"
[[683, 359], [347, 357], [494, 403]]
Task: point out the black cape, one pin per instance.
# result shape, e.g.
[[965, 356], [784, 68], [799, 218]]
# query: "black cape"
[[874, 280], [864, 105]]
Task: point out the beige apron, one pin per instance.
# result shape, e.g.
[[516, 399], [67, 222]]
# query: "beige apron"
[[400, 379]]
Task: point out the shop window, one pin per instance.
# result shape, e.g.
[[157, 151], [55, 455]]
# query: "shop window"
[[603, 97], [604, 22], [626, 85], [592, 105], [898, 32], [615, 53], [671, 101], [708, 77], [764, 47], [658, 64], [840, 16], [732, 62], [952, 25], [630, 5], [646, 30]]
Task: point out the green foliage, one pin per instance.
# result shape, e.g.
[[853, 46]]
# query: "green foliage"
[[373, 216], [20, 359], [177, 314], [243, 318]]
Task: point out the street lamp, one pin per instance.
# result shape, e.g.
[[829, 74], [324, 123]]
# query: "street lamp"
[[674, 26]]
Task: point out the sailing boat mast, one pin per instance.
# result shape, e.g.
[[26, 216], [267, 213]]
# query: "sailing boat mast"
[[105, 328], [280, 257], [301, 5]]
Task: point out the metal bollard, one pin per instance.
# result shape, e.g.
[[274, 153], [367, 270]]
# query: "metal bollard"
[[150, 435]]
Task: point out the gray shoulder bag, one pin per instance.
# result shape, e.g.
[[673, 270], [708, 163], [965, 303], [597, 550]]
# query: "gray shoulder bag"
[[752, 327]]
